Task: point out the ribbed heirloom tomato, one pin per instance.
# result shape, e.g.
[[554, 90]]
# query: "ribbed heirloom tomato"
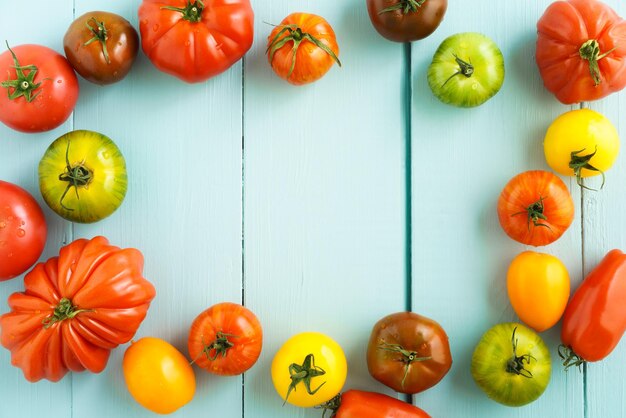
[[535, 208], [194, 39], [225, 339]]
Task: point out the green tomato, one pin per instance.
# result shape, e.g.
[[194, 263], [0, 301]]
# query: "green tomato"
[[511, 364], [82, 176], [467, 70]]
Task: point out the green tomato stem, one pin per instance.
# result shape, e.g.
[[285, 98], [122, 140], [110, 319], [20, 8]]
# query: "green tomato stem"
[[64, 310], [100, 34], [578, 162], [303, 373], [590, 51], [192, 12], [24, 85]]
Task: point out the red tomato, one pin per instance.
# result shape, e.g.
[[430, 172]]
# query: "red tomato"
[[361, 404], [302, 48], [581, 50], [22, 231], [595, 319], [226, 339], [535, 208], [40, 88], [193, 39]]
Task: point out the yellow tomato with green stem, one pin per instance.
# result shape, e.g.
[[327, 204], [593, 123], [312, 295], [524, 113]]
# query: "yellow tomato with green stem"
[[309, 369], [538, 286], [581, 143]]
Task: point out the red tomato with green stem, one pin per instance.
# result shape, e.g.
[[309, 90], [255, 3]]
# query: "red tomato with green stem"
[[193, 39], [23, 230], [302, 48], [39, 88], [225, 339], [362, 404]]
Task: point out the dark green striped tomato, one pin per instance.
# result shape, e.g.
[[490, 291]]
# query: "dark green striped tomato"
[[511, 364], [82, 176], [467, 70]]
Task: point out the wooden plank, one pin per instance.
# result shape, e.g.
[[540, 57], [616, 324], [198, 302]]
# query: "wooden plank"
[[19, 158], [461, 160], [182, 145], [324, 198]]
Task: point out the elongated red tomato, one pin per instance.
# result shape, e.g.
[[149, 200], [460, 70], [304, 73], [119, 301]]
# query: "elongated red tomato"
[[76, 308], [193, 39], [595, 319], [581, 50], [362, 404], [225, 339], [535, 208]]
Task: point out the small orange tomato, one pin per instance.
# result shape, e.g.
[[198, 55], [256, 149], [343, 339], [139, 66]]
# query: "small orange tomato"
[[535, 208], [302, 48], [158, 376], [538, 286]]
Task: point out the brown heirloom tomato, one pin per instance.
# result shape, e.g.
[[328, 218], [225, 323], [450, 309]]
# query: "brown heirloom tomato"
[[408, 352], [406, 20], [101, 47]]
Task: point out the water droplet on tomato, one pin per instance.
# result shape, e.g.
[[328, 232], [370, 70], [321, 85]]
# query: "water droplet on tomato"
[[21, 232], [59, 81], [105, 154], [22, 223], [155, 27], [2, 224], [187, 43]]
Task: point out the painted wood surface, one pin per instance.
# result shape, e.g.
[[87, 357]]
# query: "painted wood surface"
[[322, 207]]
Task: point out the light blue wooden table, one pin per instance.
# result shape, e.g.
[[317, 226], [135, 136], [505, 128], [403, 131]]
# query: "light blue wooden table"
[[362, 191]]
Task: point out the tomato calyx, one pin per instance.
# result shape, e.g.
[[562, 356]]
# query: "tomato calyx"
[[535, 213], [100, 34], [76, 175], [466, 69], [293, 33], [303, 373], [24, 85], [219, 347], [515, 365], [331, 405], [570, 358], [408, 357], [406, 6], [64, 310], [590, 51], [578, 162], [192, 12]]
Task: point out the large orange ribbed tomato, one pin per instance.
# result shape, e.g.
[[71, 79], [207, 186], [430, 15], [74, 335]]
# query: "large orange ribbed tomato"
[[75, 309]]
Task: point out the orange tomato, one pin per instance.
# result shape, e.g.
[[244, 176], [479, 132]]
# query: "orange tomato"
[[535, 208], [302, 48], [538, 286]]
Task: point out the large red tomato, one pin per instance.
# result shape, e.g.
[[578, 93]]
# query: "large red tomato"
[[193, 39], [40, 88], [581, 50], [76, 308], [22, 230]]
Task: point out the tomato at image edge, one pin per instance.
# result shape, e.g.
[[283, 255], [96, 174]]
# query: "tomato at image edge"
[[406, 20]]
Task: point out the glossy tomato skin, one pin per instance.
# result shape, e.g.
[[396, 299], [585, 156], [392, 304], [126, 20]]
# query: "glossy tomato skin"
[[311, 61], [467, 70], [362, 404], [55, 97], [158, 376], [407, 344], [105, 188], [195, 50], [535, 208], [595, 319], [494, 353], [75, 309], [586, 133], [23, 230], [226, 339], [562, 31], [538, 286], [398, 26], [87, 55], [327, 374]]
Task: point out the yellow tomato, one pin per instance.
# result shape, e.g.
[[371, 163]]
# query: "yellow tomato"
[[309, 369], [538, 286], [158, 376], [581, 143]]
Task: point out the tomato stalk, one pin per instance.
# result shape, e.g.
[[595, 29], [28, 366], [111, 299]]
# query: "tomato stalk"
[[192, 12], [303, 373], [100, 34], [569, 357], [64, 310], [408, 357], [407, 6], [590, 51], [535, 213], [24, 85], [466, 69], [77, 175], [578, 162], [293, 33], [220, 346], [515, 365]]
